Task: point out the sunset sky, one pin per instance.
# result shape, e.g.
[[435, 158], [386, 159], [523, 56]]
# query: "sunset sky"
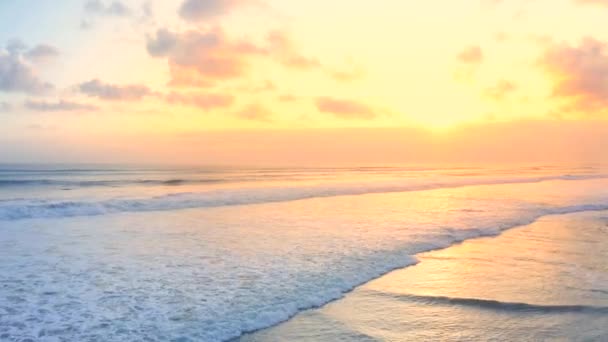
[[278, 81]]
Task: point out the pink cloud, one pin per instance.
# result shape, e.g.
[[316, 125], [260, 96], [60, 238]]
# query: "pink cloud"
[[345, 109], [201, 100], [283, 48], [580, 73], [471, 55], [203, 58], [255, 112], [593, 2], [500, 90], [211, 54]]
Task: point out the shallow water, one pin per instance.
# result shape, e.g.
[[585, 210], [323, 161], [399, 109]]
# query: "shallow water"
[[132, 260], [541, 282]]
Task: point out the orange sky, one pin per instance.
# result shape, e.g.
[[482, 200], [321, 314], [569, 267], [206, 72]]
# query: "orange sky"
[[274, 81]]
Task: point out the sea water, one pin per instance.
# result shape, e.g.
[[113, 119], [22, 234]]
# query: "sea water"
[[90, 253], [546, 281]]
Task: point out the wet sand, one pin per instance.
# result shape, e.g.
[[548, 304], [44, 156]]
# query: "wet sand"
[[541, 282]]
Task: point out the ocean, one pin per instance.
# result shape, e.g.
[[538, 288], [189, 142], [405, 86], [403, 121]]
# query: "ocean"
[[117, 253]]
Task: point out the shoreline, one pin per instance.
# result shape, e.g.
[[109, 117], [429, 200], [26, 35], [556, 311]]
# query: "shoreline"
[[213, 274], [423, 259]]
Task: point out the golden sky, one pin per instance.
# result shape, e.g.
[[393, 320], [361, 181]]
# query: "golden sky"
[[246, 81]]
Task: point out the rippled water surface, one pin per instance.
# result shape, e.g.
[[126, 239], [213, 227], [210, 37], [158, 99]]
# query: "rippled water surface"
[[207, 254], [546, 281]]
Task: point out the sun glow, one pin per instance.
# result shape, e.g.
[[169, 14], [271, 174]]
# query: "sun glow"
[[171, 70]]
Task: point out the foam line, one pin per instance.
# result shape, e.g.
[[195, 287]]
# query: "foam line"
[[16, 210]]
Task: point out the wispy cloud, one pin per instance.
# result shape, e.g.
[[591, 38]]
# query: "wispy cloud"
[[281, 47], [5, 107], [471, 55], [592, 2], [198, 10], [284, 49], [469, 61], [114, 8], [112, 92], [287, 98], [266, 86], [255, 112], [41, 52], [346, 75], [147, 9], [500, 90], [60, 106], [16, 46], [201, 100], [345, 109]]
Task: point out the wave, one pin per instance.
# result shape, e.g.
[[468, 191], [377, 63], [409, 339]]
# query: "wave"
[[473, 179], [39, 208], [102, 183], [391, 262], [314, 293], [495, 305]]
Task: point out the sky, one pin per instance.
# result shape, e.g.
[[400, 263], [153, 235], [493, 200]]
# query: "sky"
[[303, 82]]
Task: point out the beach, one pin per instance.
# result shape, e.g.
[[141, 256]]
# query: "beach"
[[546, 281], [215, 254], [286, 171]]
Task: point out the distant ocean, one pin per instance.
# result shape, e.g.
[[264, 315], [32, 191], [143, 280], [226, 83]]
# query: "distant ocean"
[[99, 253]]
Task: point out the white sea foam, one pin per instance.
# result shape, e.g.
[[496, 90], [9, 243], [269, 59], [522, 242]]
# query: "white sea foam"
[[211, 275], [56, 208]]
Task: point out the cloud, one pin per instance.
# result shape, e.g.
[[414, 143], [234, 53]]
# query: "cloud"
[[287, 98], [255, 112], [5, 107], [60, 106], [184, 77], [282, 46], [593, 2], [201, 100], [471, 55], [470, 60], [114, 8], [85, 25], [345, 109], [147, 9], [580, 73], [257, 88], [197, 58], [111, 92], [202, 58], [501, 37], [346, 75], [16, 75], [500, 90], [163, 43], [198, 10], [41, 52], [15, 47]]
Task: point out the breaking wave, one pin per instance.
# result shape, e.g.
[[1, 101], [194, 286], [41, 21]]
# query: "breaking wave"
[[42, 208], [495, 305]]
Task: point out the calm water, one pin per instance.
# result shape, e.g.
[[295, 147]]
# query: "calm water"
[[206, 254]]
